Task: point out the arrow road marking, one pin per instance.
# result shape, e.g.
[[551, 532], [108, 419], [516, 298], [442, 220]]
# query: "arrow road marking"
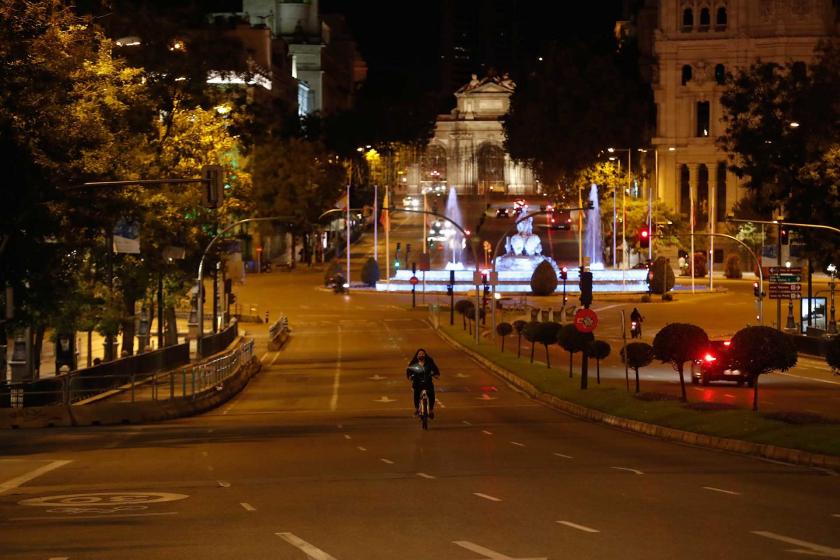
[[579, 527], [360, 448], [384, 399], [808, 548], [636, 471], [424, 475], [461, 375], [564, 456], [308, 549], [487, 553], [386, 461], [516, 443], [713, 489], [22, 479], [467, 423], [485, 397], [485, 432], [377, 377], [247, 507]]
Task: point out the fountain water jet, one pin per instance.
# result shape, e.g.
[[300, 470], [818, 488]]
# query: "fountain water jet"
[[454, 239], [593, 246]]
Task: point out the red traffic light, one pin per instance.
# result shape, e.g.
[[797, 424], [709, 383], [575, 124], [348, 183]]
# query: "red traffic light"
[[645, 233]]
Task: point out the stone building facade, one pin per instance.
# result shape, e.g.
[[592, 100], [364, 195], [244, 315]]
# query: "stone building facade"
[[467, 150], [695, 44]]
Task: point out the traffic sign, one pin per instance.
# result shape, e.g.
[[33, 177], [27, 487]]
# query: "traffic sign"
[[414, 280], [785, 295], [785, 270], [785, 287], [786, 278], [586, 320]]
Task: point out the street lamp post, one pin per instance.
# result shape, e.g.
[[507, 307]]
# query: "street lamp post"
[[832, 324], [624, 206]]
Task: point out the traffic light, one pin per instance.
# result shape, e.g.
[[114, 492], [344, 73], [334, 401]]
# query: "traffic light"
[[564, 273], [231, 298], [644, 238], [586, 289], [756, 289], [784, 234], [213, 191]]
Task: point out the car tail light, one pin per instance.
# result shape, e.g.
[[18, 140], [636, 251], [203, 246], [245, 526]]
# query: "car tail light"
[[709, 358], [727, 342]]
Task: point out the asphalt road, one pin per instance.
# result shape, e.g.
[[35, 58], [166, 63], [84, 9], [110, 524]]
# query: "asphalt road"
[[320, 458]]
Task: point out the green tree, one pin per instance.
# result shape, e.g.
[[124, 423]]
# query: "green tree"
[[782, 127], [543, 279], [573, 341], [463, 307], [370, 272], [637, 355], [531, 332], [599, 349], [519, 326], [546, 334], [759, 350], [503, 329], [678, 343]]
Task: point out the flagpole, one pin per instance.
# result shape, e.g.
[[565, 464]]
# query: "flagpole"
[[348, 234], [386, 206], [691, 257], [375, 223]]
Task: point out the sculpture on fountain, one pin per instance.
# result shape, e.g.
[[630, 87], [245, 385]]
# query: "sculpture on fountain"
[[523, 251]]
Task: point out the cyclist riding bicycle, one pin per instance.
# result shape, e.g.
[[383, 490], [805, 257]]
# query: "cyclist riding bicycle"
[[421, 370]]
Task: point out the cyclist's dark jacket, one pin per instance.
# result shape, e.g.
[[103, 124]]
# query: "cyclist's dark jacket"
[[424, 378]]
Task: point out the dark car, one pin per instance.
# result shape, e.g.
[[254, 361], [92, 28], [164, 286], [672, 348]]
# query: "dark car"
[[502, 213], [716, 365]]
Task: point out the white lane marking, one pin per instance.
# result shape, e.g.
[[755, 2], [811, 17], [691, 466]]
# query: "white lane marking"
[[440, 403], [713, 489], [347, 436], [386, 461], [424, 475], [810, 378], [729, 395], [223, 484], [490, 554], [835, 515], [360, 448], [579, 527], [75, 517], [487, 497], [225, 411], [337, 378], [518, 444], [24, 478], [308, 549], [636, 471], [376, 377], [564, 456], [808, 548], [486, 432], [384, 399], [467, 423], [247, 506], [262, 359]]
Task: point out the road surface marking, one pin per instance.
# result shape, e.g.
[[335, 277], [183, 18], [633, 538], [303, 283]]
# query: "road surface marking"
[[424, 475], [377, 377], [76, 517], [579, 527], [347, 436], [360, 448], [60, 558], [461, 375], [204, 453], [227, 410], [518, 444], [337, 378], [487, 497], [636, 471], [384, 399], [276, 356], [835, 515], [564, 456], [339, 426], [308, 549], [440, 403], [24, 478], [713, 489], [263, 357], [808, 548], [211, 469], [729, 395], [490, 554], [386, 461], [486, 432], [467, 423], [811, 378], [223, 484], [210, 431], [247, 506], [485, 397]]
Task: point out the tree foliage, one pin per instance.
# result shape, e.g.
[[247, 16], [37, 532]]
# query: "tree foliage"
[[678, 343], [503, 329], [543, 280], [758, 350], [600, 350], [637, 355], [573, 341]]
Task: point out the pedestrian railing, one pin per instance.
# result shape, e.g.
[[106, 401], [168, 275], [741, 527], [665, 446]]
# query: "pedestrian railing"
[[188, 382]]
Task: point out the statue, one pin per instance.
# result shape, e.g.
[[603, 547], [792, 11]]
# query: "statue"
[[525, 242]]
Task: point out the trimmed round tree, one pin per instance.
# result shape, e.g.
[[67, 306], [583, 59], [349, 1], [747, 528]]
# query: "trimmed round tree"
[[504, 329], [572, 341], [518, 326], [370, 272], [547, 334], [462, 306], [638, 355], [677, 344], [543, 280], [662, 279], [530, 332], [759, 350], [599, 349]]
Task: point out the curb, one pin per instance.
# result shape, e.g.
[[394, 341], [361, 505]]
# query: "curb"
[[111, 413], [784, 454]]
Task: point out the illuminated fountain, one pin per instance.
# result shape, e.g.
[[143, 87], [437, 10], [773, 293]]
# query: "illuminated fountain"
[[455, 242], [593, 245]]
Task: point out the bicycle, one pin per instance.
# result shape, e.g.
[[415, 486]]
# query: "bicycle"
[[424, 409]]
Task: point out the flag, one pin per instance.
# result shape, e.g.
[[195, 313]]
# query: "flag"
[[385, 219]]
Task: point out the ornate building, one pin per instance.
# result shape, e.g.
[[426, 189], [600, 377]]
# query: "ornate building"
[[467, 148], [695, 44]]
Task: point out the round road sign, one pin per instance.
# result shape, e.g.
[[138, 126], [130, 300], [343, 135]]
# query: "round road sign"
[[586, 320], [414, 281]]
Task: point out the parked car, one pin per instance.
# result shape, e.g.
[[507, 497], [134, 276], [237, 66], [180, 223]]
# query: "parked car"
[[716, 365], [502, 213]]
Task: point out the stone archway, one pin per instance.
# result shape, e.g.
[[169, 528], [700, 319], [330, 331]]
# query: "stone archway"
[[491, 169]]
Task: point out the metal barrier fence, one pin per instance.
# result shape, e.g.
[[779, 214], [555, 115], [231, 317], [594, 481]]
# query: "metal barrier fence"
[[215, 343], [187, 382]]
